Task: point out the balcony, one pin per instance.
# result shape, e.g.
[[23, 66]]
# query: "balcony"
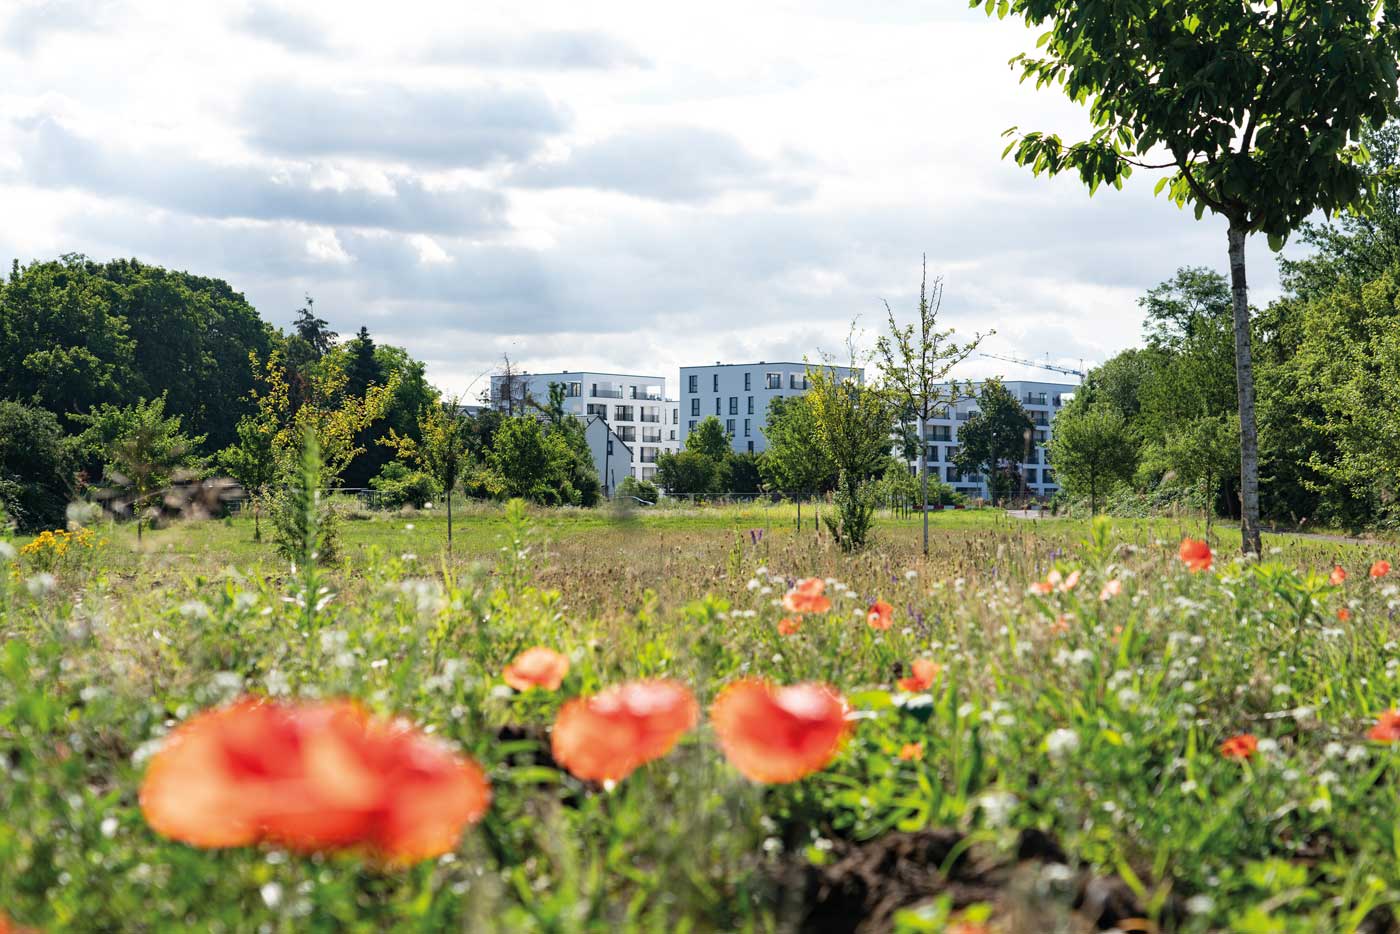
[[652, 418], [606, 392], [1034, 398], [651, 435]]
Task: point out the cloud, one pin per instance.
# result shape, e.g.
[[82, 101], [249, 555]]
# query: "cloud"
[[545, 50], [280, 26], [666, 163], [34, 22], [464, 127], [53, 157]]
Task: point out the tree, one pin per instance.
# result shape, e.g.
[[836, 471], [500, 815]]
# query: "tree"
[[1204, 450], [252, 461], [442, 449], [36, 472], [709, 439], [518, 460], [853, 425], [1178, 310], [915, 362], [1091, 448], [315, 331], [1257, 108], [996, 439], [363, 369], [796, 463], [146, 456], [686, 473]]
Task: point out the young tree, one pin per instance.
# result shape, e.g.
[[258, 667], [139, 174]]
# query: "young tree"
[[149, 450], [709, 439], [443, 448], [915, 361], [1257, 108], [996, 439], [1092, 448], [252, 461], [1204, 450], [853, 425], [796, 463]]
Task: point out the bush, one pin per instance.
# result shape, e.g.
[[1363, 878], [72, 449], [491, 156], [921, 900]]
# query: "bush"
[[855, 510], [641, 489], [36, 473], [398, 486]]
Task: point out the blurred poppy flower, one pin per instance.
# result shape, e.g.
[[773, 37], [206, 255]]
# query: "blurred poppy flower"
[[1380, 568], [1042, 588], [1239, 747], [537, 667], [311, 776], [9, 927], [807, 597], [910, 751], [1343, 614], [605, 737], [922, 673], [1196, 554], [779, 734], [1387, 728], [880, 615], [788, 626], [1338, 575], [1110, 590]]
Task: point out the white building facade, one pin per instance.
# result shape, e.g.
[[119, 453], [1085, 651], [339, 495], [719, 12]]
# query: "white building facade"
[[1042, 402], [738, 395], [635, 408]]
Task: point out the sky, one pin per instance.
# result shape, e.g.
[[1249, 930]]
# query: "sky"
[[612, 185]]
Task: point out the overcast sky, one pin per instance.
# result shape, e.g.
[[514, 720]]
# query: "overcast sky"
[[626, 186]]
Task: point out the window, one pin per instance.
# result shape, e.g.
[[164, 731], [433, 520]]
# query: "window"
[[748, 381], [940, 433], [623, 413], [1041, 436], [717, 405], [750, 447], [715, 383], [750, 405], [610, 446], [672, 436], [648, 473], [1031, 474], [747, 423], [797, 382], [650, 413], [695, 406], [632, 391], [693, 383], [676, 416], [733, 405], [574, 390], [651, 435], [774, 380], [626, 432], [933, 452], [598, 409], [690, 426], [606, 391], [648, 455], [1048, 476], [954, 475], [729, 426]]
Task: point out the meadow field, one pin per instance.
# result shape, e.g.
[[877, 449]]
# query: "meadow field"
[[1097, 736]]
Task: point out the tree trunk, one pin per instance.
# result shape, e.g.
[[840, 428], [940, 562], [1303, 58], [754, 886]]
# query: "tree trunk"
[[1244, 384], [257, 523], [449, 521], [923, 477]]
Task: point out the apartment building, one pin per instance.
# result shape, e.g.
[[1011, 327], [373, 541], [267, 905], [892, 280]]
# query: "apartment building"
[[635, 408], [1042, 401], [738, 395]]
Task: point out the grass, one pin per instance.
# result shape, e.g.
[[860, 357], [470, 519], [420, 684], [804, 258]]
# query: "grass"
[[1063, 717]]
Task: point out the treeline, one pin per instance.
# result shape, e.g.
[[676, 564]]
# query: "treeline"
[[1159, 423], [121, 379]]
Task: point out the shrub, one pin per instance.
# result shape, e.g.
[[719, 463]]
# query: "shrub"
[[641, 489], [399, 486], [855, 510], [36, 475]]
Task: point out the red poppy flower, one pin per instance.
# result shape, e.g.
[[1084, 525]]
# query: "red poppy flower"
[[807, 597], [1042, 588], [1239, 747], [311, 776], [605, 737], [9, 927], [1343, 614], [1338, 575], [1387, 728], [880, 615], [779, 734], [1380, 568], [922, 673], [537, 667], [1196, 554], [910, 751], [787, 626]]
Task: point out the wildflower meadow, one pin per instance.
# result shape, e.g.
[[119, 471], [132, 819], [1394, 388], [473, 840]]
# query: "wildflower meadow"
[[699, 719]]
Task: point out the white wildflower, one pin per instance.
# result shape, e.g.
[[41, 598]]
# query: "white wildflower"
[[1061, 744]]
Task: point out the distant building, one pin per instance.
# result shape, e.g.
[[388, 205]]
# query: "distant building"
[[634, 409], [738, 395], [1042, 401]]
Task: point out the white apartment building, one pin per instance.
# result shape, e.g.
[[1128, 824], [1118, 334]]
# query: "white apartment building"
[[738, 395], [1042, 401], [634, 407]]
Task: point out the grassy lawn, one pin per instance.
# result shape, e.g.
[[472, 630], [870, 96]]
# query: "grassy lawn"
[[1062, 770]]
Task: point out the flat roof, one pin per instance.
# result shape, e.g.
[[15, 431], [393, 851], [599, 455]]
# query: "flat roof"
[[526, 375], [829, 366]]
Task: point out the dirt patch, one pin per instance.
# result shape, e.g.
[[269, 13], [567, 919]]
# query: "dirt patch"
[[1035, 892]]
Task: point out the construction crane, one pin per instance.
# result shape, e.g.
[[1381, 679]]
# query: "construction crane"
[[1068, 371]]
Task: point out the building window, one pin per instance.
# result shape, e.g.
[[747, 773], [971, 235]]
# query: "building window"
[[651, 435], [729, 426], [626, 433], [750, 405], [694, 382], [717, 405], [606, 391], [1031, 476], [733, 405], [748, 381], [715, 383], [676, 415], [940, 433], [933, 452], [747, 423], [598, 409], [691, 425], [695, 406], [797, 382], [574, 390], [623, 413], [773, 380], [648, 455], [750, 447], [610, 446], [673, 435]]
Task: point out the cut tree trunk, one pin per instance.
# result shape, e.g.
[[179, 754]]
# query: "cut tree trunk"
[[1244, 384]]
